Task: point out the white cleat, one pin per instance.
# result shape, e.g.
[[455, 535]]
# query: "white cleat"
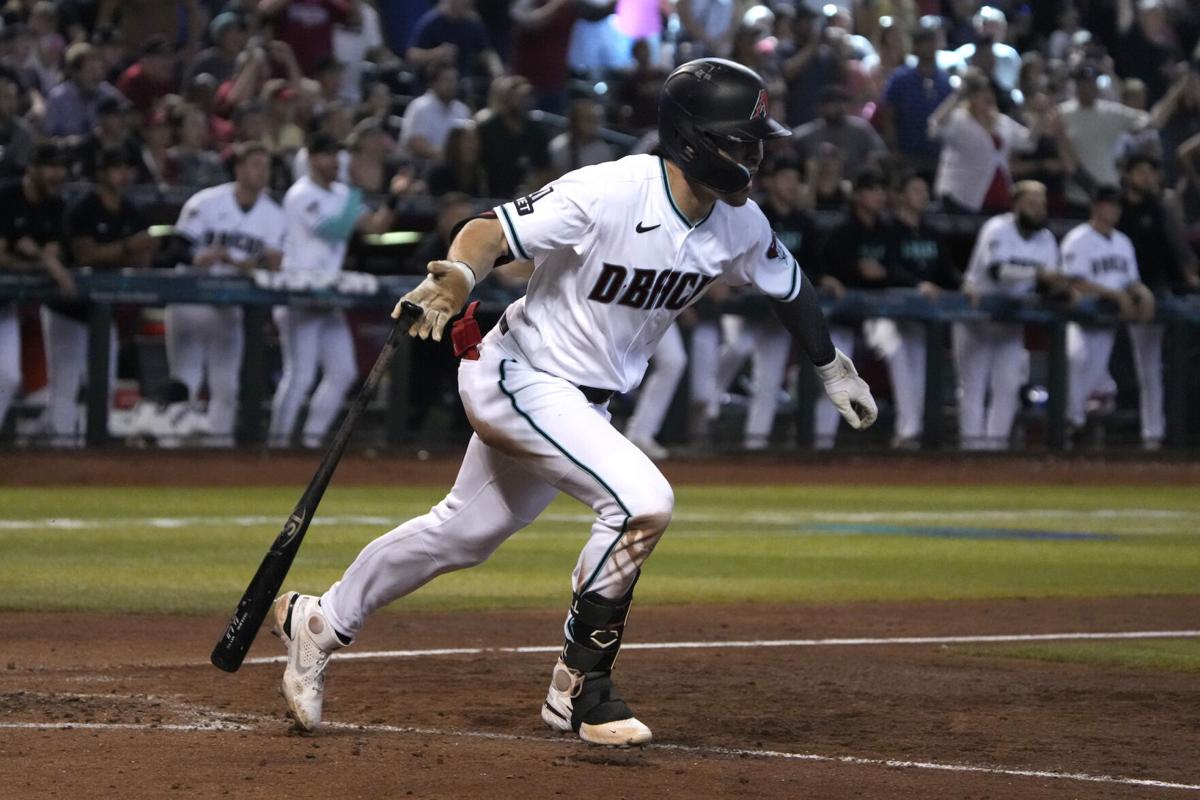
[[566, 686], [309, 639]]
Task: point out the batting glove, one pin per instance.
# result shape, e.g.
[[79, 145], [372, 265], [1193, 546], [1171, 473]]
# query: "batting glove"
[[441, 295], [849, 393]]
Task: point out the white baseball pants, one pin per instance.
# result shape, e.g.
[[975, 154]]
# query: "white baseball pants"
[[992, 364], [901, 344], [658, 389], [207, 342], [828, 417], [10, 357], [308, 339], [535, 435], [66, 345], [769, 344], [706, 348], [1088, 354]]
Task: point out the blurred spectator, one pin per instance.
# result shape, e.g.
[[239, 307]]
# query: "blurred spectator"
[[156, 165], [228, 33], [828, 188], [430, 117], [1165, 261], [17, 136], [336, 122], [282, 136], [1051, 162], [107, 44], [30, 237], [637, 91], [452, 32], [71, 106], [151, 77], [181, 22], [306, 26], [104, 231], [326, 84], [541, 36], [709, 27], [808, 65], [1186, 203], [44, 61], [1147, 49], [1093, 126], [1032, 78], [460, 169], [371, 167], [1177, 115], [195, 162], [113, 129], [357, 42], [973, 169], [991, 28], [922, 261], [514, 147], [891, 50], [1014, 253], [783, 205], [580, 145], [1143, 140], [855, 139], [859, 255], [911, 95], [1061, 38]]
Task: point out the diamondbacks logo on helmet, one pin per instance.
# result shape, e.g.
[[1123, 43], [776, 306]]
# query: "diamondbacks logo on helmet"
[[760, 105]]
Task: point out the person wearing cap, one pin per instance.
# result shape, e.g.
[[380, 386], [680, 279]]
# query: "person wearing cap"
[[228, 34], [321, 214], [151, 77], [71, 107], [1094, 126], [30, 241], [104, 231], [1014, 254], [859, 254], [1099, 261], [911, 95], [113, 129], [859, 143], [991, 28]]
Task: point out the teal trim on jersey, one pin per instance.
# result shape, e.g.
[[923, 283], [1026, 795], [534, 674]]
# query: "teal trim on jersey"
[[662, 165], [624, 523], [513, 230], [795, 274]]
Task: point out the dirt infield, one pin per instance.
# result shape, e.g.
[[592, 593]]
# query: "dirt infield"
[[150, 719], [258, 468]]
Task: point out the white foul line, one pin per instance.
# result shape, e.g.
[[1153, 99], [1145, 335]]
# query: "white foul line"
[[703, 750], [894, 640]]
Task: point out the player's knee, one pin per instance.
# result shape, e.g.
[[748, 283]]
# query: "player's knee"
[[652, 507]]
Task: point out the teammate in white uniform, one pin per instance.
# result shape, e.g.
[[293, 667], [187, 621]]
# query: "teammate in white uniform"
[[656, 393], [1099, 261], [321, 213], [535, 390], [232, 228], [1013, 253]]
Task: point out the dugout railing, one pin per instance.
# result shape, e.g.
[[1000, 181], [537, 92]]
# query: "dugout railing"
[[103, 291]]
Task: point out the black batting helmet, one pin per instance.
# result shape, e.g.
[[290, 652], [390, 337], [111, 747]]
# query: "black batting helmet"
[[705, 103]]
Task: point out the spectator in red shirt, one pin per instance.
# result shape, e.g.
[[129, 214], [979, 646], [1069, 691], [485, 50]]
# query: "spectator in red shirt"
[[151, 77], [306, 25]]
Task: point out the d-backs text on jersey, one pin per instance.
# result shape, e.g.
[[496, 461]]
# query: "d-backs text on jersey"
[[648, 288]]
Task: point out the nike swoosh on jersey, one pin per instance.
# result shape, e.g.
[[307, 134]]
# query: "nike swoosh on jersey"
[[640, 229]]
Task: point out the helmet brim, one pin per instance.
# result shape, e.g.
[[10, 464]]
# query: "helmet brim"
[[759, 128]]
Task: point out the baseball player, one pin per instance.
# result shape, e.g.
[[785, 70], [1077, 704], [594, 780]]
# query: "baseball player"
[[1013, 254], [656, 393], [1099, 261], [31, 231], [619, 250], [321, 213], [232, 228]]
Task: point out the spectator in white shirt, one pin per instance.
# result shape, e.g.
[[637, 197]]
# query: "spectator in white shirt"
[[429, 119], [973, 171], [1094, 126], [357, 41], [580, 145]]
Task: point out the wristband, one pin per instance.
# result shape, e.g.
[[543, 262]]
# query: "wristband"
[[470, 273]]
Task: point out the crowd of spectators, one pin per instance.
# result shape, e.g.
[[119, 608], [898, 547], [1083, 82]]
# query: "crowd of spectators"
[[890, 101]]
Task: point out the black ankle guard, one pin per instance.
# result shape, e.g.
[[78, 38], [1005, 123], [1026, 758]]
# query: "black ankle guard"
[[597, 625]]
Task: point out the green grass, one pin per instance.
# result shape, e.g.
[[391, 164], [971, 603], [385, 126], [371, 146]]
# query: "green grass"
[[1169, 654], [743, 544]]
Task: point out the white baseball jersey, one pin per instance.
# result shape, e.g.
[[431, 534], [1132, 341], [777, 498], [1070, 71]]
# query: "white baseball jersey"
[[1004, 261], [306, 205], [1105, 260], [213, 217], [615, 261]]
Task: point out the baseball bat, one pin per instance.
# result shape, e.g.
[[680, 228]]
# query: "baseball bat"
[[264, 586]]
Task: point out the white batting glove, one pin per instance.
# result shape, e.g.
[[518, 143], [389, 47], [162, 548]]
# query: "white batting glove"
[[849, 393], [441, 295]]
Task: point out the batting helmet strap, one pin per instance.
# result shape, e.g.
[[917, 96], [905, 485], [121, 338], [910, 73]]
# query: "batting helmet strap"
[[705, 103]]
